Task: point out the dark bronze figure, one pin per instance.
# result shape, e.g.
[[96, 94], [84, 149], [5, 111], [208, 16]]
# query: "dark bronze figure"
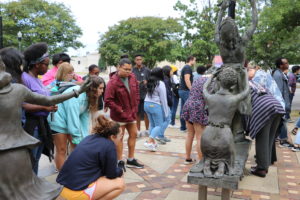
[[228, 99], [17, 180], [217, 144]]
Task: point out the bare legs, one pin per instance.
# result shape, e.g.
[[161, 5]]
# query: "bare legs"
[[138, 122], [193, 129], [107, 189], [61, 142], [132, 131]]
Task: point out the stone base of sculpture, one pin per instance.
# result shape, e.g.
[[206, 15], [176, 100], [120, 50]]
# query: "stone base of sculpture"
[[227, 182]]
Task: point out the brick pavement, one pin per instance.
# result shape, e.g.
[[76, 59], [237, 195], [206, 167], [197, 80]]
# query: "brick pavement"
[[173, 181], [164, 175]]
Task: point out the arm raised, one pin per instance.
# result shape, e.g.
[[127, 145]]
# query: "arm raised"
[[246, 91], [206, 93], [250, 31], [223, 6]]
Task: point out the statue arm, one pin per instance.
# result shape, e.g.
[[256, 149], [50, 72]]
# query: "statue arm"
[[206, 93], [249, 33], [246, 91], [34, 98], [223, 7]]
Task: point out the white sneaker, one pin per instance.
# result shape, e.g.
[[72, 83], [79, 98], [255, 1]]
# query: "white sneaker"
[[173, 126], [150, 146]]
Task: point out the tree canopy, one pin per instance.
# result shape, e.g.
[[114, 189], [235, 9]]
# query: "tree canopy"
[[278, 33], [199, 29], [39, 21], [153, 37]]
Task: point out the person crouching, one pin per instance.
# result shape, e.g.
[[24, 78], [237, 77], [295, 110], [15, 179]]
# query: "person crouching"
[[91, 171]]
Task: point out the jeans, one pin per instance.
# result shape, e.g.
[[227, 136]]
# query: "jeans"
[[298, 123], [36, 152], [174, 109], [156, 118], [282, 130], [184, 95], [291, 101], [165, 125], [297, 141]]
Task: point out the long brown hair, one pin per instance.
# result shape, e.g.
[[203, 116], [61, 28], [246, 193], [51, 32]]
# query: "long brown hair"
[[105, 127], [92, 92]]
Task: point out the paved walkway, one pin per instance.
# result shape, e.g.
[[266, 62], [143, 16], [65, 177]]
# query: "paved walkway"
[[165, 175]]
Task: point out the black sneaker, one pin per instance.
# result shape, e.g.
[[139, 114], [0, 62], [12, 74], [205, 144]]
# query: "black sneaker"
[[121, 165], [285, 144], [189, 161], [134, 164]]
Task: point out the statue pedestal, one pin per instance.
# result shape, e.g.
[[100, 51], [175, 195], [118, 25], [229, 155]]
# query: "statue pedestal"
[[227, 183]]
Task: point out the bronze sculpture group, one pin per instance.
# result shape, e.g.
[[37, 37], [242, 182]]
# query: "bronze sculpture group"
[[227, 99]]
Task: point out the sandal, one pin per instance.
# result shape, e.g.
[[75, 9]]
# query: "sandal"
[[294, 131]]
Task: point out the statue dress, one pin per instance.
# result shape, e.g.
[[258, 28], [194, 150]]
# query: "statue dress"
[[17, 180]]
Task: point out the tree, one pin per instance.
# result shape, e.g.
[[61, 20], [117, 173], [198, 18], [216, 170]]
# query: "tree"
[[199, 21], [278, 33], [199, 27], [155, 38], [40, 21]]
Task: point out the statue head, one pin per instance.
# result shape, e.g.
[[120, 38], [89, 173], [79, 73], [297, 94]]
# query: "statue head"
[[229, 34], [228, 78]]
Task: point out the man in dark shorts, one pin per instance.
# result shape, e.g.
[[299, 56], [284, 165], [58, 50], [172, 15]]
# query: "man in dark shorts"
[[142, 74]]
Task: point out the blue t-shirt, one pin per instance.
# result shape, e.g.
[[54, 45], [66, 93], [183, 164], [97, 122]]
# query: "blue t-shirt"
[[93, 158]]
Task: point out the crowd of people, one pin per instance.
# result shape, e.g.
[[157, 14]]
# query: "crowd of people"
[[135, 93]]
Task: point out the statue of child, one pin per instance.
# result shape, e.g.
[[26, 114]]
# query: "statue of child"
[[217, 144]]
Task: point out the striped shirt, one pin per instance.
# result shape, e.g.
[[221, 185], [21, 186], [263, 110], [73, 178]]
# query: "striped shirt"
[[264, 107]]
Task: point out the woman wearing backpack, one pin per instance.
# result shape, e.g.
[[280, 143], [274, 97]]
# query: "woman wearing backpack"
[[72, 119]]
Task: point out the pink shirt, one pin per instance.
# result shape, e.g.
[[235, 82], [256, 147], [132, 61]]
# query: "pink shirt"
[[49, 77]]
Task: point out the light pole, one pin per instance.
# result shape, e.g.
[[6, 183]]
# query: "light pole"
[[19, 39]]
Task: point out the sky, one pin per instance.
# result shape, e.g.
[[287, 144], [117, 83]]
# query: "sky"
[[95, 16]]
